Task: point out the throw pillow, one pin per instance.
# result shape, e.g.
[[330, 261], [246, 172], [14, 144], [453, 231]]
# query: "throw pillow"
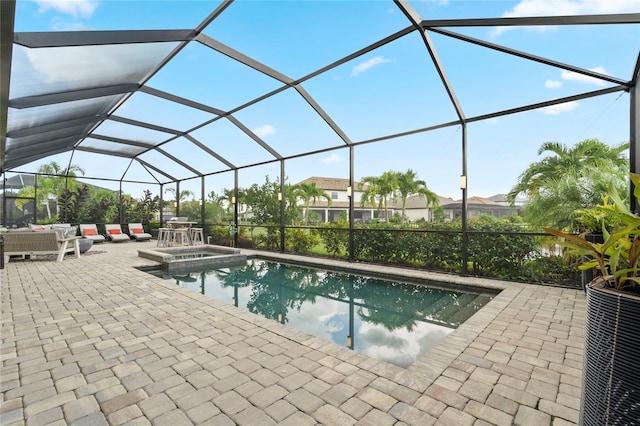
[[71, 231], [114, 232], [89, 232], [137, 230]]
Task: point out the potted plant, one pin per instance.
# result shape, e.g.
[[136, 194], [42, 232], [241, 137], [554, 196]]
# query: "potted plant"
[[611, 371], [591, 224]]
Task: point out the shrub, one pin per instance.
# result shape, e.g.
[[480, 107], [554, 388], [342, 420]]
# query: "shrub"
[[270, 239], [220, 235], [335, 237], [301, 241]]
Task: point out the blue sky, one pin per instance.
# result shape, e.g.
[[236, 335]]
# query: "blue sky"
[[391, 90]]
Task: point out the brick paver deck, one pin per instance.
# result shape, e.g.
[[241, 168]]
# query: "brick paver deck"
[[94, 341]]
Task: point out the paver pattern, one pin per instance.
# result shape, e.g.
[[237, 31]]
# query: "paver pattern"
[[94, 341]]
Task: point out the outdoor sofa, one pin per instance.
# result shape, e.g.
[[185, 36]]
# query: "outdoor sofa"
[[25, 242]]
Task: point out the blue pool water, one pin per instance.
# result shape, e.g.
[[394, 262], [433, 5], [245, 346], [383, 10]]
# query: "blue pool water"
[[387, 320]]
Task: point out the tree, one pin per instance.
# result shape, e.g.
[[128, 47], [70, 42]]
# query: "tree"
[[179, 198], [102, 207], [379, 190], [182, 196], [51, 182], [262, 201], [70, 203], [308, 192], [149, 206], [408, 184], [570, 178]]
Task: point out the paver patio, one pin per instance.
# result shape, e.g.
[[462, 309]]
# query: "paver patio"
[[94, 341]]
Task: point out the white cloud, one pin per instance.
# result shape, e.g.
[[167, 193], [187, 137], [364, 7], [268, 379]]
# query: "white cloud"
[[264, 130], [552, 84], [332, 159], [366, 66], [75, 8], [581, 78], [567, 7], [560, 108], [61, 25]]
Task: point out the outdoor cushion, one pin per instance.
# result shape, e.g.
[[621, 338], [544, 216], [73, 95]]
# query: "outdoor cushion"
[[90, 232], [114, 231], [70, 231], [137, 230], [38, 227]]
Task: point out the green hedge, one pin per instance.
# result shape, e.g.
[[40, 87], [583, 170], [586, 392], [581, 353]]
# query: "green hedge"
[[497, 248]]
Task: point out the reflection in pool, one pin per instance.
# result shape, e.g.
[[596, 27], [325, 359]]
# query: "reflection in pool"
[[391, 321]]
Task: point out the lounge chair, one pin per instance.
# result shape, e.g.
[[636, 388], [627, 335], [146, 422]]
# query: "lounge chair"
[[115, 234], [90, 230], [136, 231]]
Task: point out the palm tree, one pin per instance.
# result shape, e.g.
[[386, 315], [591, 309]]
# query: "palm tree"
[[408, 184], [227, 196], [569, 179], [181, 196], [308, 192], [51, 182], [379, 189]]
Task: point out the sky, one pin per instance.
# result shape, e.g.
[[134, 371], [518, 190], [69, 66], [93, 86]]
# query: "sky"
[[388, 91]]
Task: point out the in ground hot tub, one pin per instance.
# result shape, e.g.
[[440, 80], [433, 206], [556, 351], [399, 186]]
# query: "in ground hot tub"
[[203, 256]]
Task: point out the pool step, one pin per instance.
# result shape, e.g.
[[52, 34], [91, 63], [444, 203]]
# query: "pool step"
[[470, 308], [432, 312], [454, 305]]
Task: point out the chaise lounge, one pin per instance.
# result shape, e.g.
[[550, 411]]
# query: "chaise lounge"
[[136, 231], [90, 230], [115, 234]]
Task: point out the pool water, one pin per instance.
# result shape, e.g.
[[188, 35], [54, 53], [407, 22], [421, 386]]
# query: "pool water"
[[392, 321]]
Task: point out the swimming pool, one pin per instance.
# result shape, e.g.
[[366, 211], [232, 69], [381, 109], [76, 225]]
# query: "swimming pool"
[[397, 322]]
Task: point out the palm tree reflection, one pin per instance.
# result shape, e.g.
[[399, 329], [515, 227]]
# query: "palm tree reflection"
[[276, 290]]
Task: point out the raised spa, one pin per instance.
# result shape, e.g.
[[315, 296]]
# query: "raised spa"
[[194, 257]]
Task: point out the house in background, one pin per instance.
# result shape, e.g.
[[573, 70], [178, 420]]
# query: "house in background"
[[337, 188], [415, 209], [519, 203], [477, 206]]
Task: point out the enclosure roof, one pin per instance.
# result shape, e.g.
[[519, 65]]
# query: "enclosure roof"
[[103, 93]]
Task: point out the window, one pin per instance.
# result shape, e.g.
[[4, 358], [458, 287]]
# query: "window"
[[334, 195]]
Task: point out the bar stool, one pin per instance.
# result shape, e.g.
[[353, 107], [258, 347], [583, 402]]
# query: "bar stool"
[[181, 237], [165, 237], [196, 235]]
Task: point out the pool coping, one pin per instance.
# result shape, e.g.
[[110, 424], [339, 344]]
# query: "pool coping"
[[422, 373], [164, 257], [517, 360]]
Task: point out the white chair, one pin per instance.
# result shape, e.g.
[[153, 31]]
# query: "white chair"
[[165, 237], [115, 234], [181, 237], [90, 231], [196, 236], [136, 231]]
